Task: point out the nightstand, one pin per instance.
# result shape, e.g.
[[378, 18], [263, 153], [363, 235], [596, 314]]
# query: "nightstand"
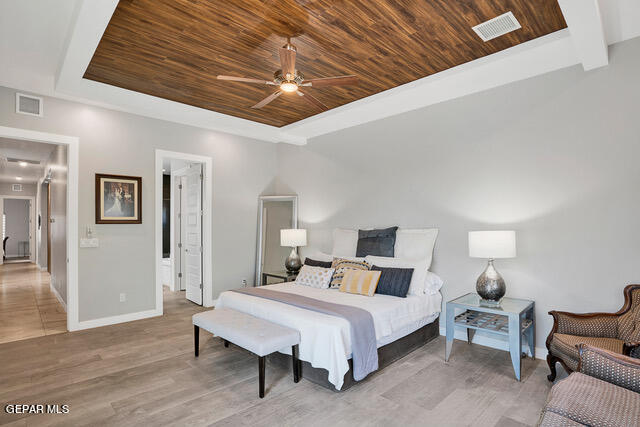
[[513, 318], [284, 275]]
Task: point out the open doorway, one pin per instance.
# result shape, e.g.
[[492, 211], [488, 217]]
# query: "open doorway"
[[183, 240], [17, 232], [33, 274]]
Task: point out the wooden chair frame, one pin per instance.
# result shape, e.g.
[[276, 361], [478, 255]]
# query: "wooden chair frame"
[[551, 359]]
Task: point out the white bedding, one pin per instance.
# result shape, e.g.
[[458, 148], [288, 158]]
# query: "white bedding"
[[325, 341]]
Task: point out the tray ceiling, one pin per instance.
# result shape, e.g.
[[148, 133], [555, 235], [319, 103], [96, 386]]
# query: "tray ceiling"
[[174, 49]]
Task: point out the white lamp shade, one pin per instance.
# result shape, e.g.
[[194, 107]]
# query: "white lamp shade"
[[293, 237], [492, 244]]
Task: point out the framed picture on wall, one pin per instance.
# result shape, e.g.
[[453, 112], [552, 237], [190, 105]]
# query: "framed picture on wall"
[[118, 199]]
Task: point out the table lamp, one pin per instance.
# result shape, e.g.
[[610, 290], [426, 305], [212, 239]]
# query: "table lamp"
[[293, 238], [491, 245]]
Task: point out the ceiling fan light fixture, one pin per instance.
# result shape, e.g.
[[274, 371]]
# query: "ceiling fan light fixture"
[[289, 87]]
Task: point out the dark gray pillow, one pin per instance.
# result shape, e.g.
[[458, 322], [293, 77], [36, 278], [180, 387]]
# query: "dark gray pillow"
[[313, 263], [393, 281], [376, 242]]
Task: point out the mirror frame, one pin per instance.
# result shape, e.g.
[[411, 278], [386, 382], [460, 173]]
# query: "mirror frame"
[[294, 222]]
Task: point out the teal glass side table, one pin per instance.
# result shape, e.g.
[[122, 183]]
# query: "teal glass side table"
[[513, 318]]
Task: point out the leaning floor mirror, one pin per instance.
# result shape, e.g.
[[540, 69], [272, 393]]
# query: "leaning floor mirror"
[[275, 213]]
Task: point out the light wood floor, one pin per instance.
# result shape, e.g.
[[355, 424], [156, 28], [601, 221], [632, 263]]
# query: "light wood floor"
[[28, 308], [144, 373]]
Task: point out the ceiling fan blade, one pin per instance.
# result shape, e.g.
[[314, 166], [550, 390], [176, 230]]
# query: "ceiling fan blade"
[[288, 61], [267, 100], [312, 100], [245, 79], [332, 81]]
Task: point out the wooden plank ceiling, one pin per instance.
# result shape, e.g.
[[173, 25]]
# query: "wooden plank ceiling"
[[174, 49]]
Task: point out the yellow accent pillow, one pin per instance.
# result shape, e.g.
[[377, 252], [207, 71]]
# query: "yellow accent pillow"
[[362, 282]]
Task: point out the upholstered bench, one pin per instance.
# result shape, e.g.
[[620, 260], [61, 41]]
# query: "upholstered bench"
[[256, 335]]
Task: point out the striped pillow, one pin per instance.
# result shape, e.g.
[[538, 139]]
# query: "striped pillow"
[[360, 282], [341, 265]]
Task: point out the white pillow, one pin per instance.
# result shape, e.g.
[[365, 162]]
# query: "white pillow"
[[432, 283], [345, 242], [418, 278], [316, 277], [350, 258], [415, 244], [320, 256]]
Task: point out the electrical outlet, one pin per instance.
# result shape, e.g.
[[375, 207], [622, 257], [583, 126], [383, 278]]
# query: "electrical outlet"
[[123, 297], [244, 283]]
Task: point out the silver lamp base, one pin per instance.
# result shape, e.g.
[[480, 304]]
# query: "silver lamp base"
[[293, 262], [490, 285]]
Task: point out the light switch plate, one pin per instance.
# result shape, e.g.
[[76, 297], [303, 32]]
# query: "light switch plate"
[[89, 243]]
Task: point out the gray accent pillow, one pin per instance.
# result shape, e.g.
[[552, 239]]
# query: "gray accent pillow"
[[393, 281], [378, 242]]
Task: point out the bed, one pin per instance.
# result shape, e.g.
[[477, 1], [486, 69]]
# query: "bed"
[[401, 325]]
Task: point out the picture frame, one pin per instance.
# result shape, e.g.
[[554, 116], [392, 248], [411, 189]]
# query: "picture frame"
[[118, 199]]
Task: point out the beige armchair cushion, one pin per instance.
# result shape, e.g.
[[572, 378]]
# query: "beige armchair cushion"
[[617, 369], [564, 346], [551, 419], [590, 401]]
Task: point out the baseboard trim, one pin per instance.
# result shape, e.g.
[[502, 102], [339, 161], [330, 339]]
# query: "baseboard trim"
[[58, 297], [489, 341], [112, 320], [42, 268]]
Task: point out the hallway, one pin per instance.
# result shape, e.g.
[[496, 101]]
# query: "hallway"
[[28, 308]]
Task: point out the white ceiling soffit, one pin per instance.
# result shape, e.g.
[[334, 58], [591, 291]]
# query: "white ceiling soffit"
[[618, 21], [587, 32]]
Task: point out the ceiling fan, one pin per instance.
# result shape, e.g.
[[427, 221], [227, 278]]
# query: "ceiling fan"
[[290, 80]]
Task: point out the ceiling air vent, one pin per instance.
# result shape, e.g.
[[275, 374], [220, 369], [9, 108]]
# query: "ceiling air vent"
[[496, 27], [28, 104], [16, 187]]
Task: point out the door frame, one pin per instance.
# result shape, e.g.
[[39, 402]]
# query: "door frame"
[[72, 143], [176, 229], [207, 237], [184, 175], [32, 223], [48, 226]]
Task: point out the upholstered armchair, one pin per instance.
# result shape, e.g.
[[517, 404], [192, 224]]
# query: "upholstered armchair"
[[616, 332], [605, 392]]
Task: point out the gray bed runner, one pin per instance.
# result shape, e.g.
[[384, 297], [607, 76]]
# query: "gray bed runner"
[[363, 335]]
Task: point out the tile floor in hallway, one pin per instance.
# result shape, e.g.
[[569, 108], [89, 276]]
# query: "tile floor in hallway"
[[28, 307]]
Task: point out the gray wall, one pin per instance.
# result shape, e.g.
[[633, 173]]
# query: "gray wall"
[[121, 143], [28, 190], [554, 157], [17, 226]]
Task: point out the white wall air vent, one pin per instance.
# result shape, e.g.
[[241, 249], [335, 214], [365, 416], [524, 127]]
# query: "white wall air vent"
[[29, 104], [16, 187], [496, 27]]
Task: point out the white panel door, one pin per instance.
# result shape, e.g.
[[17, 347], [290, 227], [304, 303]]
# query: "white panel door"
[[192, 222]]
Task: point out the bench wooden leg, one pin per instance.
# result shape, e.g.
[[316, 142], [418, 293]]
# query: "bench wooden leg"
[[226, 343], [261, 376], [295, 359], [196, 339]]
